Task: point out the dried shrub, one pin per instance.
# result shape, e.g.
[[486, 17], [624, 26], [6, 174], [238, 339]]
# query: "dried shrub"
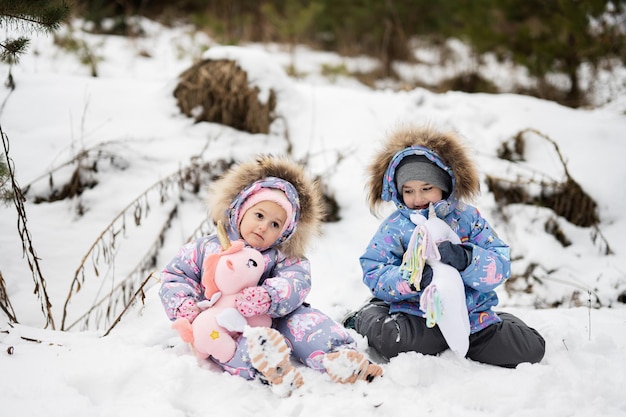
[[552, 227], [80, 181], [331, 207], [513, 151], [73, 177], [566, 199], [507, 192], [5, 303], [218, 91], [469, 82], [535, 276], [28, 250], [572, 202], [523, 282], [99, 260]]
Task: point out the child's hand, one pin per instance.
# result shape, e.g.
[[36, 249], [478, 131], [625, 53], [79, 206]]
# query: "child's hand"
[[188, 310], [454, 255], [253, 301], [427, 276]]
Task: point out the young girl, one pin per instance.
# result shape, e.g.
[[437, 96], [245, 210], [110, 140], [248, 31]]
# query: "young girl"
[[416, 167], [275, 208]]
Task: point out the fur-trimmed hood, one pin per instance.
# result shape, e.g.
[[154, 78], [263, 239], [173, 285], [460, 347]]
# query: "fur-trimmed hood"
[[227, 194], [444, 148]]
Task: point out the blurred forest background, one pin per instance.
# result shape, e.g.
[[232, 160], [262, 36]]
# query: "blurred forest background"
[[565, 48], [561, 43], [546, 37]]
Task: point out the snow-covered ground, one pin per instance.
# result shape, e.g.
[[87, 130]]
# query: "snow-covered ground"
[[128, 121]]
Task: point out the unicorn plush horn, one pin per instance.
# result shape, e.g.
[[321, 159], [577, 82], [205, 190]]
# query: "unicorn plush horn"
[[222, 236]]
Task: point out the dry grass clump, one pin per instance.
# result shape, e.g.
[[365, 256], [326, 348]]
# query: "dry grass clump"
[[567, 199], [218, 91]]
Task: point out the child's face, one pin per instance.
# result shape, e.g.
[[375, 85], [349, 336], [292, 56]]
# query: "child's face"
[[418, 194], [262, 224]]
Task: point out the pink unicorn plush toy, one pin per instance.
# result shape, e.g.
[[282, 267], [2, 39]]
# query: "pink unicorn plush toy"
[[225, 274]]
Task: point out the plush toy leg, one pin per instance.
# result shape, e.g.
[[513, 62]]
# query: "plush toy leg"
[[184, 329], [453, 320], [212, 339]]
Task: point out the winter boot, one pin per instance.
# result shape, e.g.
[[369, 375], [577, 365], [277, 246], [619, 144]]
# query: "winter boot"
[[349, 320], [347, 366], [270, 356]]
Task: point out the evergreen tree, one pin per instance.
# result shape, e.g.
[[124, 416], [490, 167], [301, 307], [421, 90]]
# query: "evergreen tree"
[[545, 36], [37, 15]]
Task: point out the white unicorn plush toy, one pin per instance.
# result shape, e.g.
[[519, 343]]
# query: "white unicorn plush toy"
[[443, 300]]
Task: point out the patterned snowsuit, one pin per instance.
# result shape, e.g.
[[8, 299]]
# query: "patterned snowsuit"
[[393, 321], [309, 332]]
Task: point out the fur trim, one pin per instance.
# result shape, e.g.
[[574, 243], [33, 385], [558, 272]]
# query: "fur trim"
[[223, 191], [448, 145]]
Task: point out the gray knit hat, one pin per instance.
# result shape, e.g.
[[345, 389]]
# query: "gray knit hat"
[[418, 167]]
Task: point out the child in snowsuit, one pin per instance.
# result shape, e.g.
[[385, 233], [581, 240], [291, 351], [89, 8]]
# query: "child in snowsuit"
[[275, 208], [418, 166]]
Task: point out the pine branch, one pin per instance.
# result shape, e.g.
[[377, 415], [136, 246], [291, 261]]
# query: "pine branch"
[[13, 49], [39, 15]]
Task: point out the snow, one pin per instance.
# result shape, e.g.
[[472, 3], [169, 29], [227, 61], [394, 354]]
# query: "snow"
[[128, 119]]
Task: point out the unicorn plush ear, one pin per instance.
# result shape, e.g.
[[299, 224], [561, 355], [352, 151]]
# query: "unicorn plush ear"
[[212, 293]]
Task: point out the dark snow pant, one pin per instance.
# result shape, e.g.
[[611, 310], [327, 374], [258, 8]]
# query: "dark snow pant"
[[507, 343]]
